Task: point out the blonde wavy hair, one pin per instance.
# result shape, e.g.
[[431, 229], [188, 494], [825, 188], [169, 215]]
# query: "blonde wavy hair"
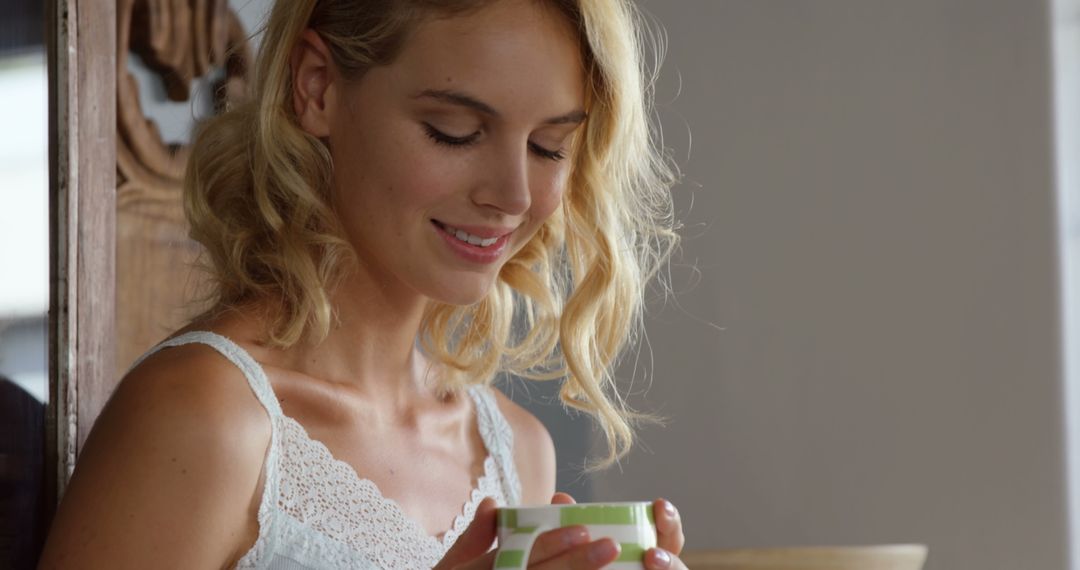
[[565, 307]]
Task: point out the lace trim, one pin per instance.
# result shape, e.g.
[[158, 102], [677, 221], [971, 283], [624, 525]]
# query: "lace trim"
[[313, 502], [499, 439], [329, 496], [304, 549]]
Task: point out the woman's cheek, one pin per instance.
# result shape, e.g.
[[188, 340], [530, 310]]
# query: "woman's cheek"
[[548, 198]]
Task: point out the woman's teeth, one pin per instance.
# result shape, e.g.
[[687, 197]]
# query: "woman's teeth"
[[469, 238]]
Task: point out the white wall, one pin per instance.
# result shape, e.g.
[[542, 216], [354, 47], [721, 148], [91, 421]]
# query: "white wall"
[[1066, 38], [24, 221], [874, 223], [24, 183]]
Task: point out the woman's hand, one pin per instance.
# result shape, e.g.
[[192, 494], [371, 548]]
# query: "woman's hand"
[[669, 534], [562, 548], [669, 538]]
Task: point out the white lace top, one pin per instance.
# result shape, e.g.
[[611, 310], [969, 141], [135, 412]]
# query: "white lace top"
[[316, 512]]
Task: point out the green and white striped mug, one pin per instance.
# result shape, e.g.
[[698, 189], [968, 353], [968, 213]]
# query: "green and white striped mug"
[[630, 524]]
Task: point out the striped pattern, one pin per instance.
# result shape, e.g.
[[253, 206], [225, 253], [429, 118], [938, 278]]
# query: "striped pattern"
[[631, 552], [630, 524], [630, 514]]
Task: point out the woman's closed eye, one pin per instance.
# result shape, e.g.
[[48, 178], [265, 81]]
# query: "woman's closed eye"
[[555, 155], [450, 140], [455, 141]]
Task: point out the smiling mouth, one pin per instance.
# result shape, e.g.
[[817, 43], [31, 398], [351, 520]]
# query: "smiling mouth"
[[466, 237]]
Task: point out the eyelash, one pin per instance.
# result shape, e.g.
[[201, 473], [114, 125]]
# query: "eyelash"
[[444, 139]]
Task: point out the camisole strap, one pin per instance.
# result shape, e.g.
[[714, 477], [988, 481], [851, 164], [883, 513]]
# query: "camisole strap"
[[254, 373], [498, 438], [260, 385]]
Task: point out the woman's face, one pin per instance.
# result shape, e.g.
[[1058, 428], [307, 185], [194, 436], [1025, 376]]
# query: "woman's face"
[[447, 161]]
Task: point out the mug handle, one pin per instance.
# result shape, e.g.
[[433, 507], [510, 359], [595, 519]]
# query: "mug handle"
[[515, 552]]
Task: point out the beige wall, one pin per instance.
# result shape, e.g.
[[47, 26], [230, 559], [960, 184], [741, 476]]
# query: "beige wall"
[[873, 221]]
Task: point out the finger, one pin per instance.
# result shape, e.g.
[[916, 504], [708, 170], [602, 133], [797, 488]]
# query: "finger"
[[660, 559], [561, 498], [555, 542], [589, 556], [669, 532], [477, 538], [485, 562]]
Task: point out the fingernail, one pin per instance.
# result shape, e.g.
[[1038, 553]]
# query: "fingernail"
[[574, 536], [669, 509], [603, 550], [661, 559]]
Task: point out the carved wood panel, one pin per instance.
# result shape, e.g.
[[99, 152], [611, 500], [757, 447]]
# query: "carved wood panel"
[[180, 40]]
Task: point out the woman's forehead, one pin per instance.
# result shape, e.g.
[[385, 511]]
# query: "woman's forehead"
[[510, 52]]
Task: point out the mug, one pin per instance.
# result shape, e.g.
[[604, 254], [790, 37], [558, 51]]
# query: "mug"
[[630, 524]]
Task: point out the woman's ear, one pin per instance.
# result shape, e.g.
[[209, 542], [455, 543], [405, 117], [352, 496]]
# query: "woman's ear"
[[313, 84]]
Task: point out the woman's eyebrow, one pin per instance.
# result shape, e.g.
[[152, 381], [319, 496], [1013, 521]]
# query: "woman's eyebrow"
[[468, 101], [571, 118]]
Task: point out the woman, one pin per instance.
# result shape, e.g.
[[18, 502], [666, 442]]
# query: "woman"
[[421, 194]]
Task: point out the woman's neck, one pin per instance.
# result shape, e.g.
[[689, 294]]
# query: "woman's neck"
[[370, 349]]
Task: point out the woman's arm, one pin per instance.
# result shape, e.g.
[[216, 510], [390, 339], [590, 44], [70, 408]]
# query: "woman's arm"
[[169, 474]]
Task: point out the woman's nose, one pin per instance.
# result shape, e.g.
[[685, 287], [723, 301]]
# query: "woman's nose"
[[506, 188]]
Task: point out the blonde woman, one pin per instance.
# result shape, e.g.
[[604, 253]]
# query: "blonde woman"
[[421, 194]]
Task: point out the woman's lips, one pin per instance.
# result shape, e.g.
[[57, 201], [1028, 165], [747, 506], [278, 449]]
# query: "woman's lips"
[[492, 241]]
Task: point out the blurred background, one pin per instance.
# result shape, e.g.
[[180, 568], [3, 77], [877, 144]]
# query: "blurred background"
[[24, 279], [880, 206], [873, 337]]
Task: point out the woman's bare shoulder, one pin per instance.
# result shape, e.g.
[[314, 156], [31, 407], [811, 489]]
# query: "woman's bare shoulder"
[[534, 451], [173, 460], [191, 380]]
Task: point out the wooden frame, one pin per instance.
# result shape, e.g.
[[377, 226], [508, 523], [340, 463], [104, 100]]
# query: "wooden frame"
[[81, 48], [115, 193]]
